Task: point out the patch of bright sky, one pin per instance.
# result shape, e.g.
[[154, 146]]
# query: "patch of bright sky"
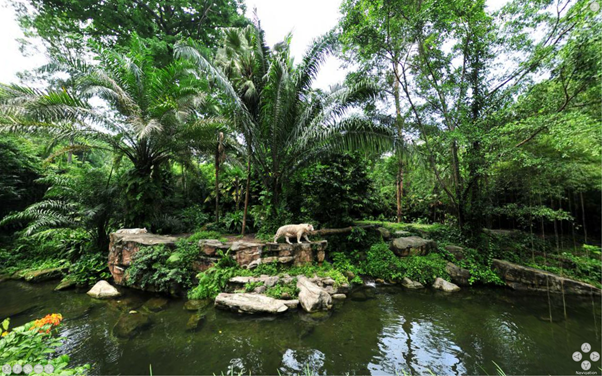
[[305, 19]]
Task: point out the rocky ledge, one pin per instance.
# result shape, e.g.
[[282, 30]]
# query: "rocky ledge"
[[525, 278], [123, 248]]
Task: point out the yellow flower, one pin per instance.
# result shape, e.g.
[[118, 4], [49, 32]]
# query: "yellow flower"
[[4, 334]]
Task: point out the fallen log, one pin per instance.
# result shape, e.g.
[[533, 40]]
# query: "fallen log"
[[335, 231]]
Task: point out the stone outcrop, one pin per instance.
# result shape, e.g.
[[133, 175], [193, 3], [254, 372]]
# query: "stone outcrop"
[[123, 248], [313, 297], [412, 246], [66, 283], [441, 284], [525, 278], [250, 303], [103, 290], [409, 284], [458, 275]]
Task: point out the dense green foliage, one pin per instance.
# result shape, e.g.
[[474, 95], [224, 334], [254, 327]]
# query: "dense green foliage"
[[34, 343], [178, 117]]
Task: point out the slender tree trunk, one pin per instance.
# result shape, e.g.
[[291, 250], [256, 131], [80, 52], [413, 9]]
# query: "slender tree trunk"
[[219, 154], [237, 192], [571, 199], [583, 217], [399, 191], [246, 208]]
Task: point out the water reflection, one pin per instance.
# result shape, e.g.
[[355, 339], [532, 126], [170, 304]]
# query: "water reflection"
[[379, 331]]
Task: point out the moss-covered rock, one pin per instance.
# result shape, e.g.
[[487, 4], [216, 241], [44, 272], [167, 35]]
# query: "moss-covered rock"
[[130, 324]]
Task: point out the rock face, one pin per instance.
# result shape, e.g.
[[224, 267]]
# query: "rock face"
[[457, 274], [409, 284], [103, 290], [195, 322], [312, 297], [123, 248], [412, 246], [524, 278], [250, 303], [130, 324], [441, 284]]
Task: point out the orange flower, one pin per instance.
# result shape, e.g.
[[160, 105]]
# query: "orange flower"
[[52, 320]]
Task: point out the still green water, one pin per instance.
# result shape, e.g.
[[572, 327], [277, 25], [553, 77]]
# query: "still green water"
[[378, 331]]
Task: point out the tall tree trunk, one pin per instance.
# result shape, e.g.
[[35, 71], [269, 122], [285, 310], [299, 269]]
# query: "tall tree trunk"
[[246, 208], [398, 143], [219, 156]]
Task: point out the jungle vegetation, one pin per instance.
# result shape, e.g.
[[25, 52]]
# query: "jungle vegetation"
[[178, 117]]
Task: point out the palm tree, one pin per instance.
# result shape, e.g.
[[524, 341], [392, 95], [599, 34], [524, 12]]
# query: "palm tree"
[[285, 123], [154, 115]]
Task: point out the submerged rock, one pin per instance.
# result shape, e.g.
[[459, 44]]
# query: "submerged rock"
[[409, 284], [339, 296], [156, 304], [196, 305], [412, 246], [362, 294], [312, 297], [130, 324], [66, 283], [103, 290], [195, 322], [250, 303], [441, 284]]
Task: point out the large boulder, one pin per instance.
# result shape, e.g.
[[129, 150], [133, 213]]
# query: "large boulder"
[[130, 324], [458, 252], [412, 246], [250, 303], [409, 284], [103, 290], [524, 278], [441, 284], [312, 297], [457, 274]]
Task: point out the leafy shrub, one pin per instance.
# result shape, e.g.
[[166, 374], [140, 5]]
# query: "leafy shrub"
[[193, 217], [381, 262], [424, 269], [89, 269], [34, 343], [163, 269], [214, 280], [194, 238], [282, 288]]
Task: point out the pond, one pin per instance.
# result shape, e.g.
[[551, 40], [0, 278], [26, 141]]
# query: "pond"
[[377, 331]]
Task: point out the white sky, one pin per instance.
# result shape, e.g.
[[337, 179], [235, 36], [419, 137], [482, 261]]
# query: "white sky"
[[306, 19]]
